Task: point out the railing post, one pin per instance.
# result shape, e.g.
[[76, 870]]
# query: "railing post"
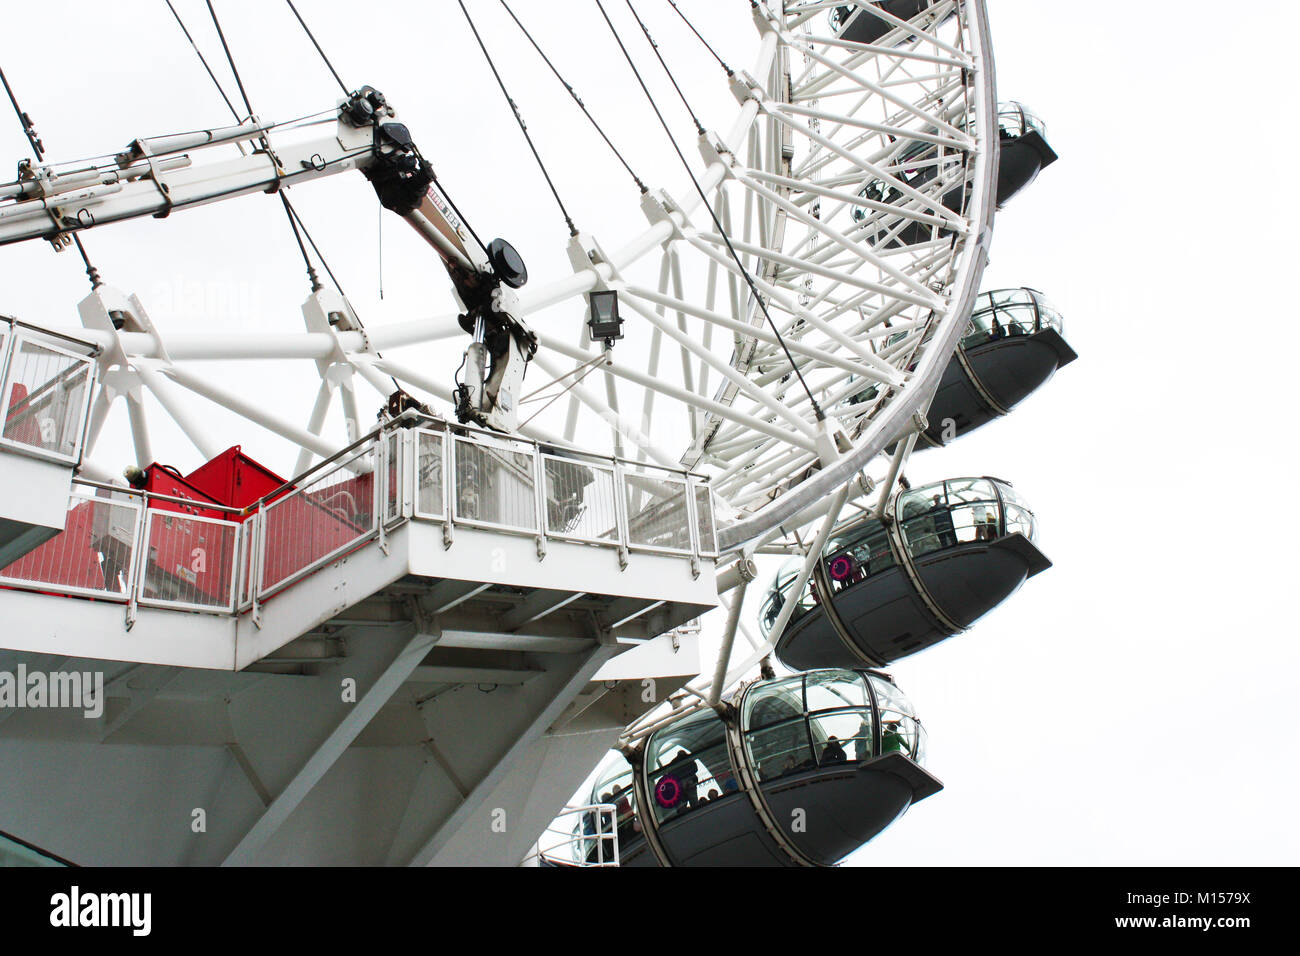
[[242, 535], [692, 524], [4, 360], [257, 551], [380, 510], [139, 555], [408, 453], [448, 488], [620, 512], [539, 498]]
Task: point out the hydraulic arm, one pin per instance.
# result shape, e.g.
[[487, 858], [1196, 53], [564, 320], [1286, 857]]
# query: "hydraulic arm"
[[160, 175]]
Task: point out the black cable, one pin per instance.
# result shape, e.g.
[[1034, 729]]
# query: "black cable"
[[312, 37], [29, 129], [230, 59], [523, 127], [730, 71], [293, 223], [299, 224], [295, 220], [753, 289], [202, 59], [91, 272], [288, 211], [577, 99], [25, 121], [699, 127]]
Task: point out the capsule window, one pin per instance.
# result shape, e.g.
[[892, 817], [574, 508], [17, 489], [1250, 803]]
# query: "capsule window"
[[781, 591], [948, 514], [688, 766], [900, 733], [842, 736], [781, 749], [835, 690], [774, 702], [614, 786], [858, 555], [889, 697]]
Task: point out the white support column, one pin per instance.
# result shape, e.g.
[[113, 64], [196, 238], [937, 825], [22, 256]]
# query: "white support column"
[[173, 406], [589, 663], [314, 424], [98, 413], [251, 410]]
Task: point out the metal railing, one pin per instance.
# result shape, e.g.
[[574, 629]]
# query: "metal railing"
[[136, 547], [521, 486], [589, 840], [45, 385], [314, 524]]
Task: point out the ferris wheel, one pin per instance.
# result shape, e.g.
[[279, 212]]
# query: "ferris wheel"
[[794, 317], [760, 354]]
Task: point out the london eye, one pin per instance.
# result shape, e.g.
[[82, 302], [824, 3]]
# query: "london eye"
[[386, 592]]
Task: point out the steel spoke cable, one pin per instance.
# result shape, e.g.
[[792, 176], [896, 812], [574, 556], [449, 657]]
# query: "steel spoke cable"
[[577, 99], [202, 59], [721, 62], [299, 228], [296, 219], [231, 60], [699, 127], [293, 223], [288, 207], [25, 121], [523, 127], [749, 280], [312, 37], [38, 148]]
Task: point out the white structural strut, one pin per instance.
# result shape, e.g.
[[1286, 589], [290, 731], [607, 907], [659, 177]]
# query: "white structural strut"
[[355, 720]]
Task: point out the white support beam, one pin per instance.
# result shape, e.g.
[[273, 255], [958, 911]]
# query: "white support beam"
[[339, 739], [175, 407], [586, 667]]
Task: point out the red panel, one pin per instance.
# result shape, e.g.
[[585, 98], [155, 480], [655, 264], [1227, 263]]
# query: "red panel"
[[234, 479], [195, 559], [67, 559], [189, 560], [161, 480], [27, 431], [311, 525]]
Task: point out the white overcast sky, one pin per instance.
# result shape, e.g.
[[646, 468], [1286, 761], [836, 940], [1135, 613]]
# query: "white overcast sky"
[[1134, 705]]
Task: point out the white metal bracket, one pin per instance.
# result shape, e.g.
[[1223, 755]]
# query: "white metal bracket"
[[659, 207]]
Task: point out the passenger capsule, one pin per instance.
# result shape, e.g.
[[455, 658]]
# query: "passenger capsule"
[[1013, 346], [856, 21], [803, 771], [1023, 153], [945, 555]]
